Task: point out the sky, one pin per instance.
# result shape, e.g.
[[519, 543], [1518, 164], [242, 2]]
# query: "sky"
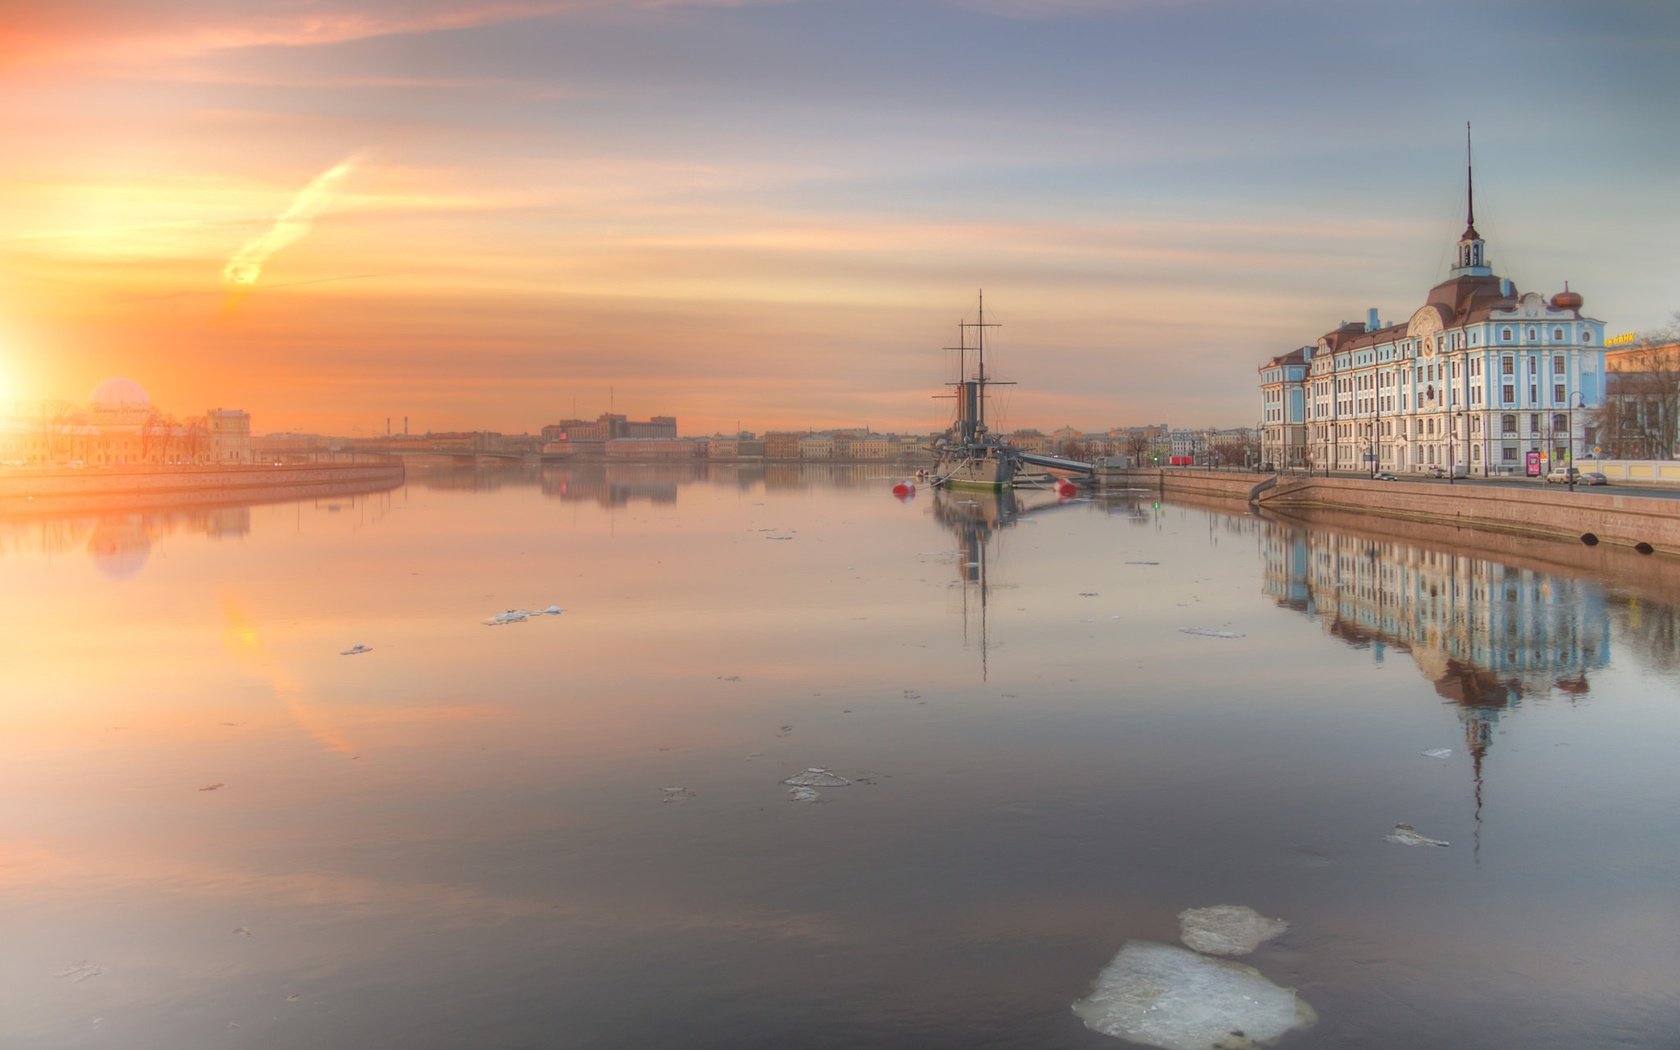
[[774, 214]]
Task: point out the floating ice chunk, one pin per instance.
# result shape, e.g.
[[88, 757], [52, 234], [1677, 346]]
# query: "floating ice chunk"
[[294, 997], [511, 616], [778, 537], [1227, 929], [1172, 998], [81, 971], [242, 931], [1088, 594], [554, 610], [676, 794], [212, 787], [356, 650], [1143, 563], [1406, 835], [816, 776], [1210, 632], [1438, 752], [804, 794]]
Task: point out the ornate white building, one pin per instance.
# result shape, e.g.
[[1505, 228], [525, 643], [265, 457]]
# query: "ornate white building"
[[1480, 378], [120, 427]]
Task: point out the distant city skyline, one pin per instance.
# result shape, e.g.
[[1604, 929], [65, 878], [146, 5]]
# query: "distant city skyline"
[[778, 212]]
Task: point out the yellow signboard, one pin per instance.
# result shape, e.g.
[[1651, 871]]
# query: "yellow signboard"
[[1625, 339]]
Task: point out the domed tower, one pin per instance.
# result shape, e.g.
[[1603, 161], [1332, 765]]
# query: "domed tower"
[[1567, 300], [119, 396]]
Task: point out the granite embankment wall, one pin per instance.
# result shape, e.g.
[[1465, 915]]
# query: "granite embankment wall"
[[20, 489], [1645, 523]]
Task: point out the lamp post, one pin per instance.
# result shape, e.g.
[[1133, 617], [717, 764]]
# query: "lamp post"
[[1452, 458], [1569, 408], [1370, 450]]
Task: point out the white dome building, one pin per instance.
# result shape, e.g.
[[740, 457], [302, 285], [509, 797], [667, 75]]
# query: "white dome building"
[[119, 394]]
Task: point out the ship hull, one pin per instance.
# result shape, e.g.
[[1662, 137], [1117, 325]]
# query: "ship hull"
[[983, 468]]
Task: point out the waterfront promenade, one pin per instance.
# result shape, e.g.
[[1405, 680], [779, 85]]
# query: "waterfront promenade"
[[1647, 520], [39, 489]]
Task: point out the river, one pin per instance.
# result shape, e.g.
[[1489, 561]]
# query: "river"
[[1061, 724]]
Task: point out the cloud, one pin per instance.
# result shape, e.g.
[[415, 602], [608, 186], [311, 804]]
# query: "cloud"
[[245, 267], [135, 34]]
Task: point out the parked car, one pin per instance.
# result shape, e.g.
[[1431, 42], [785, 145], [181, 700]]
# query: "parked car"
[[1437, 472], [1561, 476], [1383, 475], [1591, 477]]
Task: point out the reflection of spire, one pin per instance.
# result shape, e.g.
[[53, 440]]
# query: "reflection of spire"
[[1480, 696], [1478, 738]]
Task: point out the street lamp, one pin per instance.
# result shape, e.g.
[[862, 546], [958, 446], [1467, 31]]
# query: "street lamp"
[[1569, 407], [1452, 459], [1370, 450]]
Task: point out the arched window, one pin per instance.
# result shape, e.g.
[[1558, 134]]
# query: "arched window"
[[1508, 423]]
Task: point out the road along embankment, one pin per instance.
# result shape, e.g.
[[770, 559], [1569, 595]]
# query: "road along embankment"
[[1592, 516], [36, 491]]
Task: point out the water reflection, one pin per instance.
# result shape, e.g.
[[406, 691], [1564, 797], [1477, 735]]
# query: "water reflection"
[[120, 544], [975, 519], [1488, 633]]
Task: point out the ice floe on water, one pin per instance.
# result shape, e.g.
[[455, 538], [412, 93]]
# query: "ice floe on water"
[[81, 971], [1211, 632], [521, 615], [676, 794], [1406, 835], [1438, 752], [804, 794], [1227, 929], [356, 650], [1175, 999], [816, 776]]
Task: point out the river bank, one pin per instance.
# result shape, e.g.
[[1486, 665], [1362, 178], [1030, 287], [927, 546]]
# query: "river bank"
[[1644, 523], [36, 490]]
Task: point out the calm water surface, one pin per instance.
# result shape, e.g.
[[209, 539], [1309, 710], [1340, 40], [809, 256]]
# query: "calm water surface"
[[218, 831]]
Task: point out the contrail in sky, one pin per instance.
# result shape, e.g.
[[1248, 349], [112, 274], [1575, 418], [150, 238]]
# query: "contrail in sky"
[[242, 271]]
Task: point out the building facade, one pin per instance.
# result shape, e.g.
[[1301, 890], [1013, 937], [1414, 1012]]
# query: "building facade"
[[1480, 380]]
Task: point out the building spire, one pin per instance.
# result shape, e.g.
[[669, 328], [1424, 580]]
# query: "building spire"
[[1472, 251], [1469, 189]]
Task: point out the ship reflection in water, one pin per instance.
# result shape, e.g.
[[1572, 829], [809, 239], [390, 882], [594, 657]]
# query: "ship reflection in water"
[[975, 517]]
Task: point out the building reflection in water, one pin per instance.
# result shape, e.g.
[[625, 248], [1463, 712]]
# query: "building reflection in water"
[[1487, 634], [120, 544]]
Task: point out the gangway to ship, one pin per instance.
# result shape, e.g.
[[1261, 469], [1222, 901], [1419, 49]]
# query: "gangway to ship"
[[1058, 463]]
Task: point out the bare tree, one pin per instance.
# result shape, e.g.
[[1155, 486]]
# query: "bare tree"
[[56, 439], [154, 435], [1137, 446], [1640, 418], [194, 439]]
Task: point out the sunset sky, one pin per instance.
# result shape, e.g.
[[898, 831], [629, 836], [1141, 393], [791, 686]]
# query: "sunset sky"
[[487, 216]]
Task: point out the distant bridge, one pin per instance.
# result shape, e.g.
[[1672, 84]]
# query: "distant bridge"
[[458, 454]]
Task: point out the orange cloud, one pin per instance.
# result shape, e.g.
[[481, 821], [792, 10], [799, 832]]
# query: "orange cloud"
[[290, 226]]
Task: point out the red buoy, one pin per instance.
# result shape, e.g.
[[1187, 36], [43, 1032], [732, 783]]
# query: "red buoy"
[[904, 488], [1064, 489]]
